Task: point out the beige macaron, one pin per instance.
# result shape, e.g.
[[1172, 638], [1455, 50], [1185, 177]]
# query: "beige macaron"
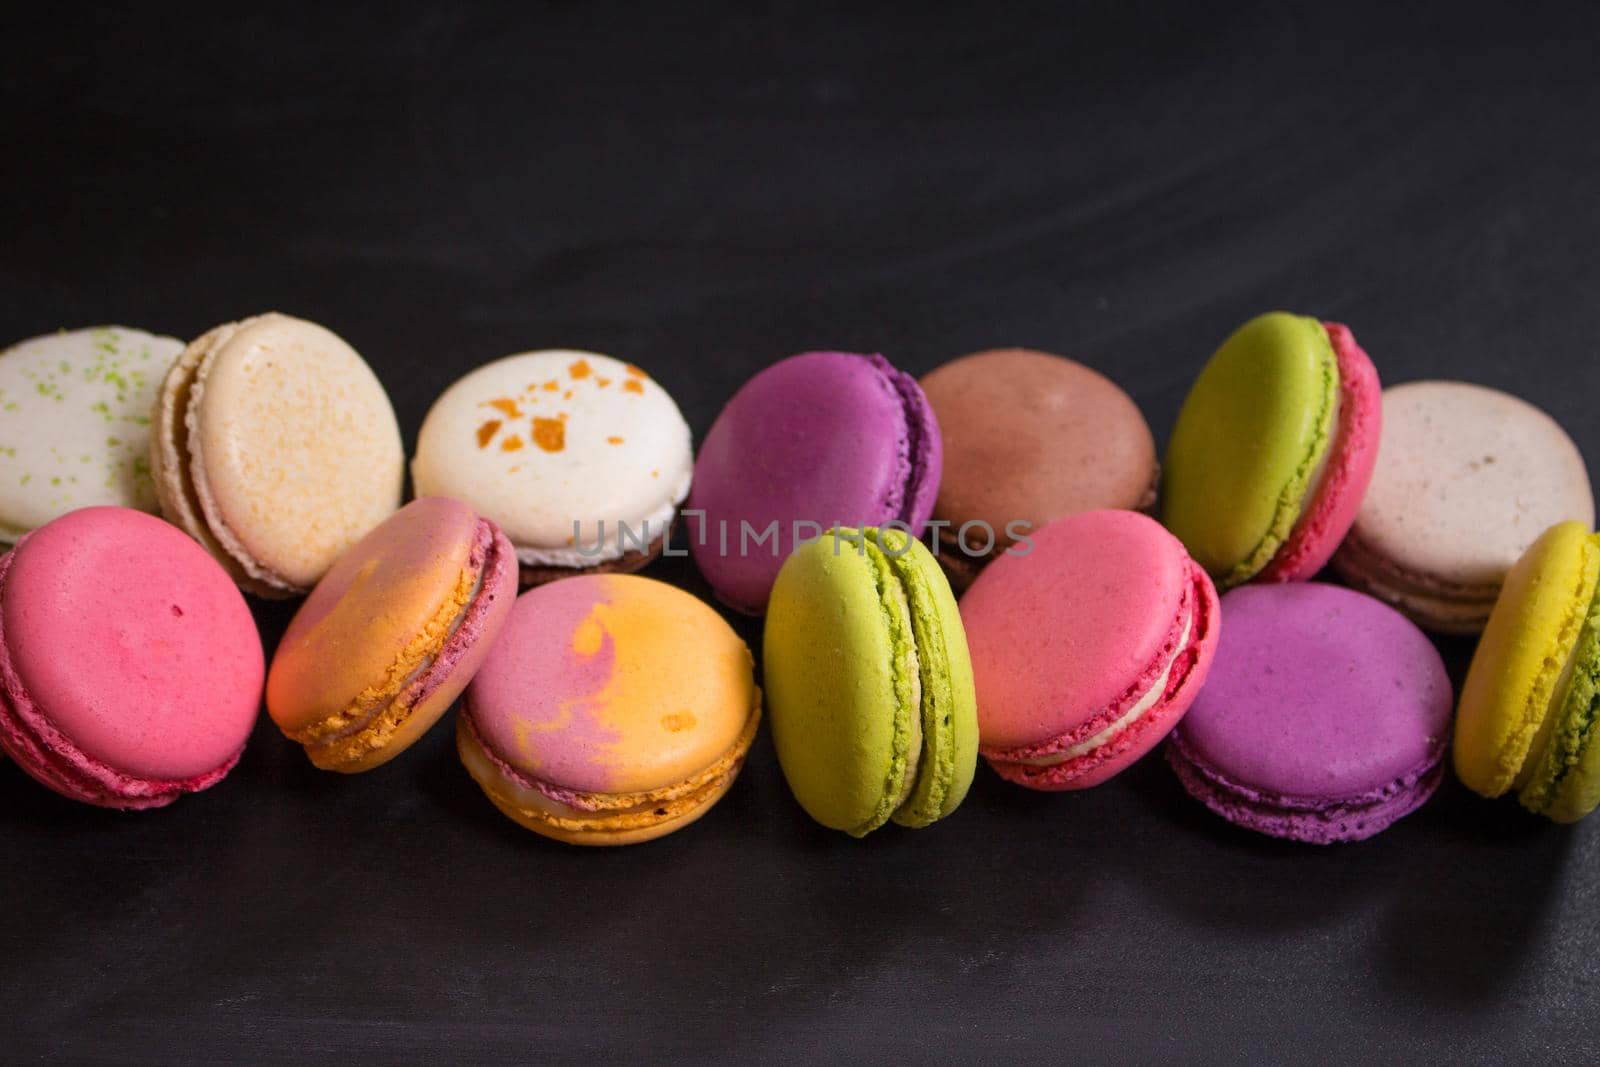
[[1467, 478], [275, 447]]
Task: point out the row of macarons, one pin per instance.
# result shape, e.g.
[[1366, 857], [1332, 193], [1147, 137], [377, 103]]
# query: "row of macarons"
[[1079, 647]]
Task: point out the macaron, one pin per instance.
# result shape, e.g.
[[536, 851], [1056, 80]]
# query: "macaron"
[[1531, 701], [276, 448], [75, 423], [1324, 718], [1030, 437], [1467, 477], [130, 669], [392, 635], [815, 441], [869, 685], [1088, 648], [612, 709], [1273, 450], [580, 458]]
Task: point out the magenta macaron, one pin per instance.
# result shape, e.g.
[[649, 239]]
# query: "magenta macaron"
[[821, 439], [1325, 717], [130, 667], [1088, 643]]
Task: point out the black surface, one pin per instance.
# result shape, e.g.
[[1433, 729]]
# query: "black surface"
[[703, 195]]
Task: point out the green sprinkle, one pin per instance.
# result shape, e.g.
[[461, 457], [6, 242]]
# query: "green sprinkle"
[[55, 481], [66, 368], [113, 442], [26, 478]]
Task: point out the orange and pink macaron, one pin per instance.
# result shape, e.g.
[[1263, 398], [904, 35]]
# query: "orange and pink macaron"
[[392, 634], [1088, 645], [612, 709], [130, 668]]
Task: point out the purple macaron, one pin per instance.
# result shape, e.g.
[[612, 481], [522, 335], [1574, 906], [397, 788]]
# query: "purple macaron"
[[1324, 718], [821, 439]]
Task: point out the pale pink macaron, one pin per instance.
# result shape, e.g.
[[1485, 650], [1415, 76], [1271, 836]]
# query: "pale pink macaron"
[[130, 667], [1088, 644]]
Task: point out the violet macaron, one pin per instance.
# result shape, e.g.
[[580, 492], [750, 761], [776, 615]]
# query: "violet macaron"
[[1325, 717], [815, 441], [1089, 641], [130, 668]]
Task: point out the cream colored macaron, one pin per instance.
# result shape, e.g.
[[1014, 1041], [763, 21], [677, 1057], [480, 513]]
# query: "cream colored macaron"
[[580, 458], [75, 423], [276, 448], [1467, 478]]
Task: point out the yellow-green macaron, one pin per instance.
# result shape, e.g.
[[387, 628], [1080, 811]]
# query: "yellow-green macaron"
[[869, 684], [1531, 702]]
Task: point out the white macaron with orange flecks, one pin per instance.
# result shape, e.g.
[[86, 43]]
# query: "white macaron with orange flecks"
[[580, 458]]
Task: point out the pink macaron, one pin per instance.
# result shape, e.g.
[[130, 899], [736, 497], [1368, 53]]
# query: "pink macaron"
[[1088, 644], [130, 667]]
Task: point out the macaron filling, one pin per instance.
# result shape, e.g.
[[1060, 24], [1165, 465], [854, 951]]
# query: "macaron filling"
[[33, 741], [1304, 484], [1149, 700], [1340, 477], [1547, 781], [424, 665], [1315, 820], [529, 800], [1104, 735]]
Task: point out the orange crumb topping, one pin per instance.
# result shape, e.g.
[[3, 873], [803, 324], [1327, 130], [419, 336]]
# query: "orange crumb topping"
[[635, 371], [567, 395], [632, 386], [550, 434], [614, 440], [511, 444], [506, 406], [487, 431], [579, 369], [551, 386], [602, 382]]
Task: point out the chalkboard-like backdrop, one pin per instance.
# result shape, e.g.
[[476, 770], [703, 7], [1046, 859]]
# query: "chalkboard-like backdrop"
[[702, 193]]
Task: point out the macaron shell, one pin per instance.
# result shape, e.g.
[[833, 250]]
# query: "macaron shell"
[[1518, 664], [1249, 438], [1466, 478], [359, 625], [840, 670], [294, 450], [1063, 633], [1318, 692], [538, 441], [528, 808], [1030, 437], [75, 423], [829, 438], [1563, 783], [1348, 472], [1186, 662], [612, 684], [172, 684]]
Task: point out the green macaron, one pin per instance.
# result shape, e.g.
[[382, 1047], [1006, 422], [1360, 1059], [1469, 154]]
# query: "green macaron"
[[1273, 450], [869, 685]]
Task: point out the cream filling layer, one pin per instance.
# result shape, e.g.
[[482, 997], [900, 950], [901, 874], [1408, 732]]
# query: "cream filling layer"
[[1127, 718]]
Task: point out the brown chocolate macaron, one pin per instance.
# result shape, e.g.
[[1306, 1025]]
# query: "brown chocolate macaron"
[[1030, 437]]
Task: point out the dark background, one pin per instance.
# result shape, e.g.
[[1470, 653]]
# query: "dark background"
[[703, 194]]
